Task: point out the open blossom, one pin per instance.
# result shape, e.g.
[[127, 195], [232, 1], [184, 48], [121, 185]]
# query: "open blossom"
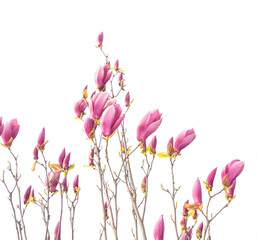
[[210, 179], [1, 126], [56, 232], [100, 40], [26, 196], [231, 171], [159, 229], [184, 139], [97, 104], [102, 76], [10, 132], [148, 125], [111, 119], [80, 107], [89, 127]]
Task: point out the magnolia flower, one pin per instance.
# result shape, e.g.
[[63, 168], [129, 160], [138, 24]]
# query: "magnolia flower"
[[91, 158], [183, 224], [61, 157], [229, 193], [111, 119], [210, 179], [148, 125], [184, 139], [121, 80], [10, 132], [231, 171], [143, 185], [35, 153], [116, 67], [26, 196], [170, 147], [66, 161], [152, 145], [76, 184], [89, 127], [102, 76], [97, 104], [85, 93], [52, 180], [127, 99], [199, 231], [1, 126], [159, 229], [56, 236], [64, 184], [100, 40], [185, 210], [197, 193], [80, 107]]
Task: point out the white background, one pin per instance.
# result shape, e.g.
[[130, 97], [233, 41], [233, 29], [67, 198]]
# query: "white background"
[[194, 60]]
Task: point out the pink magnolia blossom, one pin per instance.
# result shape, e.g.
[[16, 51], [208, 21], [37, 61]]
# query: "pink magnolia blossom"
[[56, 232], [64, 184], [106, 209], [35, 153], [148, 125], [159, 229], [153, 144], [85, 92], [91, 158], [97, 104], [199, 231], [1, 126], [102, 76], [61, 157], [195, 215], [66, 161], [10, 132], [230, 192], [111, 119], [100, 40], [121, 80], [26, 196], [52, 180], [210, 178], [185, 210], [127, 99], [170, 147], [143, 185], [231, 171], [76, 184], [116, 67], [197, 193], [80, 107], [41, 138], [184, 139], [183, 224], [89, 127]]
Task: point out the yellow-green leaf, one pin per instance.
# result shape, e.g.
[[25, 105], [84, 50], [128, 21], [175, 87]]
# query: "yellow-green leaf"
[[162, 155]]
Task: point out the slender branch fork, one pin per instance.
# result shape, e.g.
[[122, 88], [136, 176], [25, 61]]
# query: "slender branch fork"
[[19, 224]]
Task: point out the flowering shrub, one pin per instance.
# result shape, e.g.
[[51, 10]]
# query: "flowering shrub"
[[103, 116]]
